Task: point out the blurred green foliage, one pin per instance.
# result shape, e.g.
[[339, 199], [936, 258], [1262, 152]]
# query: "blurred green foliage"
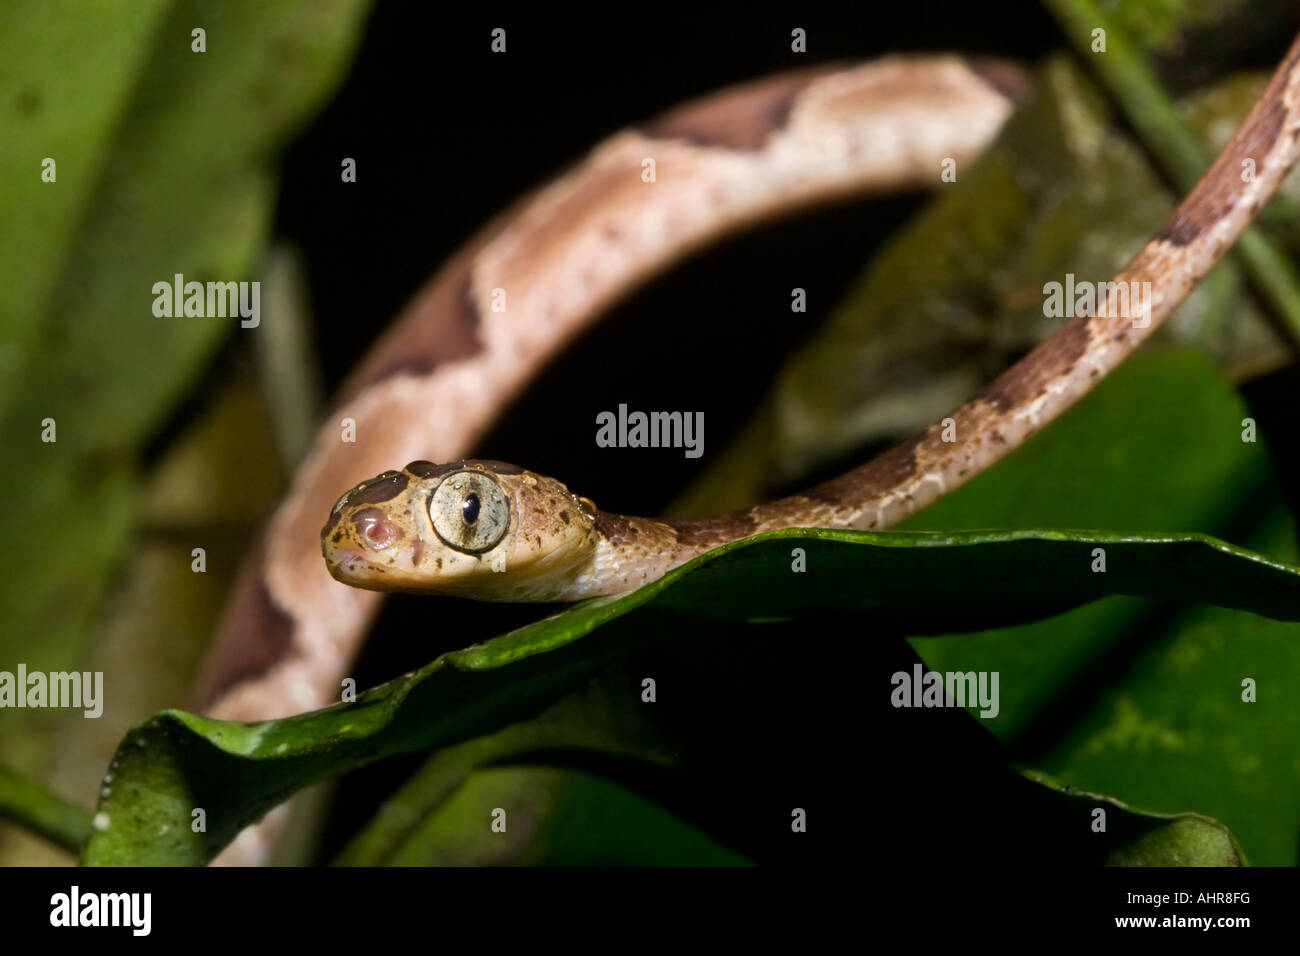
[[164, 164]]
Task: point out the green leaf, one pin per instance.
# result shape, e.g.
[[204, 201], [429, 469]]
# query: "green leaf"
[[24, 802], [1140, 702], [1157, 446], [236, 772], [1171, 729], [440, 815], [165, 165], [63, 107], [1134, 837]]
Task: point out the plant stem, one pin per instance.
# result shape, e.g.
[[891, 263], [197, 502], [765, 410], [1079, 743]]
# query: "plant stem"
[[31, 806]]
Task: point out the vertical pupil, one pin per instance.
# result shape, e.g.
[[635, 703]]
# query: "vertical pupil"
[[469, 508]]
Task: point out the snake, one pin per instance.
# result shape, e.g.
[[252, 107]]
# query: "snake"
[[498, 532], [437, 378], [450, 364]]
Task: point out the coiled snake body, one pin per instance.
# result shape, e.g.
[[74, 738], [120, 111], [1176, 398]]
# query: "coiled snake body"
[[437, 378], [433, 383], [497, 532]]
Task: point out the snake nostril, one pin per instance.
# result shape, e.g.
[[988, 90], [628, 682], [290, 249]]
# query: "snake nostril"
[[375, 530]]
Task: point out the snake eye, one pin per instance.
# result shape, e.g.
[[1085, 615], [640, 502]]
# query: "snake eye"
[[469, 512]]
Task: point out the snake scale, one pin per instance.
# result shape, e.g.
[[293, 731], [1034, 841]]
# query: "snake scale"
[[435, 380]]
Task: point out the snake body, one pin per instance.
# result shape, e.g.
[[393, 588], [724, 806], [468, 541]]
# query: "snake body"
[[438, 377], [498, 532]]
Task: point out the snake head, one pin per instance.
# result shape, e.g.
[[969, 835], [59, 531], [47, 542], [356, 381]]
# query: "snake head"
[[473, 528]]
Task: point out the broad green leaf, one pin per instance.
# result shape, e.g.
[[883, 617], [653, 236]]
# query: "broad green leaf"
[[1145, 703], [62, 108], [1170, 728], [165, 166], [440, 815], [1156, 447], [236, 772], [1134, 837], [207, 490]]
